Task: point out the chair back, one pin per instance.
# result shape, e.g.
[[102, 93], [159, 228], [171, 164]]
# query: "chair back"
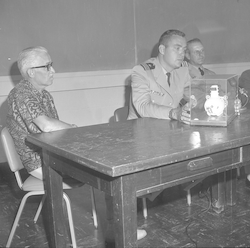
[[121, 114], [244, 82], [12, 156]]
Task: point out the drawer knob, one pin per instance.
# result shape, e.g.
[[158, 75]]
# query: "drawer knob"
[[200, 163]]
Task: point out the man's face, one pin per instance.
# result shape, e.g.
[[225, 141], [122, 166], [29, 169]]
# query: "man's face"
[[173, 53], [42, 76], [196, 54]]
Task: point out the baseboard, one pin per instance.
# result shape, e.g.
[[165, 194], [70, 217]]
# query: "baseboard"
[[104, 79]]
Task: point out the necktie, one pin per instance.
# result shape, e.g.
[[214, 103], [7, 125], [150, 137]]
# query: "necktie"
[[168, 75], [201, 71]]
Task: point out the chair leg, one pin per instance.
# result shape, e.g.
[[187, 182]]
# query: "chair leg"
[[189, 200], [39, 209], [238, 172], [189, 187], [19, 212], [93, 206], [144, 205], [71, 224]]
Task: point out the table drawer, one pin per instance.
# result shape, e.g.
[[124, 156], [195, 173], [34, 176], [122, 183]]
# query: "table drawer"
[[190, 169]]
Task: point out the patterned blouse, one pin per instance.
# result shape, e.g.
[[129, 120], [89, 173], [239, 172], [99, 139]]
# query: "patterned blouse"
[[25, 104]]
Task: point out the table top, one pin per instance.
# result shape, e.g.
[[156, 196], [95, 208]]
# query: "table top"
[[126, 147]]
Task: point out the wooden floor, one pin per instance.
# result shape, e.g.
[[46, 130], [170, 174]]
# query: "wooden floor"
[[171, 222]]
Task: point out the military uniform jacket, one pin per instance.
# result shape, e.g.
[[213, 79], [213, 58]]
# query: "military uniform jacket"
[[196, 73], [151, 96]]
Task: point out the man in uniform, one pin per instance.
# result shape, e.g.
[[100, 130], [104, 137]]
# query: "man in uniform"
[[195, 56], [157, 89], [159, 86]]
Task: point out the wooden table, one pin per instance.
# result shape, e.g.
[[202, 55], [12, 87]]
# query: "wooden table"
[[136, 157]]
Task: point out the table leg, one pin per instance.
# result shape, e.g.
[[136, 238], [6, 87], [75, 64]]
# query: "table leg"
[[231, 186], [54, 209], [218, 192], [125, 212]]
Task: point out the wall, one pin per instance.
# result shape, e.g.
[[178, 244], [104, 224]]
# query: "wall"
[[81, 35], [222, 25], [95, 43], [94, 35]]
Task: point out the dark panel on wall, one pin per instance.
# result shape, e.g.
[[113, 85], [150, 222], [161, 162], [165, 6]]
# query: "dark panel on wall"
[[87, 35], [222, 25], [81, 35]]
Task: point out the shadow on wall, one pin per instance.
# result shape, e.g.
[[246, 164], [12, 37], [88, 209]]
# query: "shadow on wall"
[[155, 51], [145, 54], [127, 92], [15, 78], [15, 74], [3, 114]]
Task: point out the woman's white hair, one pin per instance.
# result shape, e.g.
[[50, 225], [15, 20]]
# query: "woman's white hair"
[[28, 58]]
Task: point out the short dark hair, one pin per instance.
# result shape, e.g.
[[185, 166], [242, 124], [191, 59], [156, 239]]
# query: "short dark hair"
[[193, 41], [166, 36]]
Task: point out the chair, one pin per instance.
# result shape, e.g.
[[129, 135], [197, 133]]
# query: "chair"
[[34, 186], [244, 90], [121, 114]]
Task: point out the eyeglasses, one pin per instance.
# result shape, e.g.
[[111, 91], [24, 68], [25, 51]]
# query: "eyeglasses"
[[48, 66], [199, 52], [179, 49]]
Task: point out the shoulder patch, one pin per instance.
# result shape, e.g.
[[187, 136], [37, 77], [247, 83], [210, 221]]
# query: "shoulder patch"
[[148, 66]]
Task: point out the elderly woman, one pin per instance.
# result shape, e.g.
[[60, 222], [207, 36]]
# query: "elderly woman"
[[31, 108]]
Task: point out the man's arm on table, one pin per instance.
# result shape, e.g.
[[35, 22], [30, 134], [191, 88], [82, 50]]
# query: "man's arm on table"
[[47, 124]]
